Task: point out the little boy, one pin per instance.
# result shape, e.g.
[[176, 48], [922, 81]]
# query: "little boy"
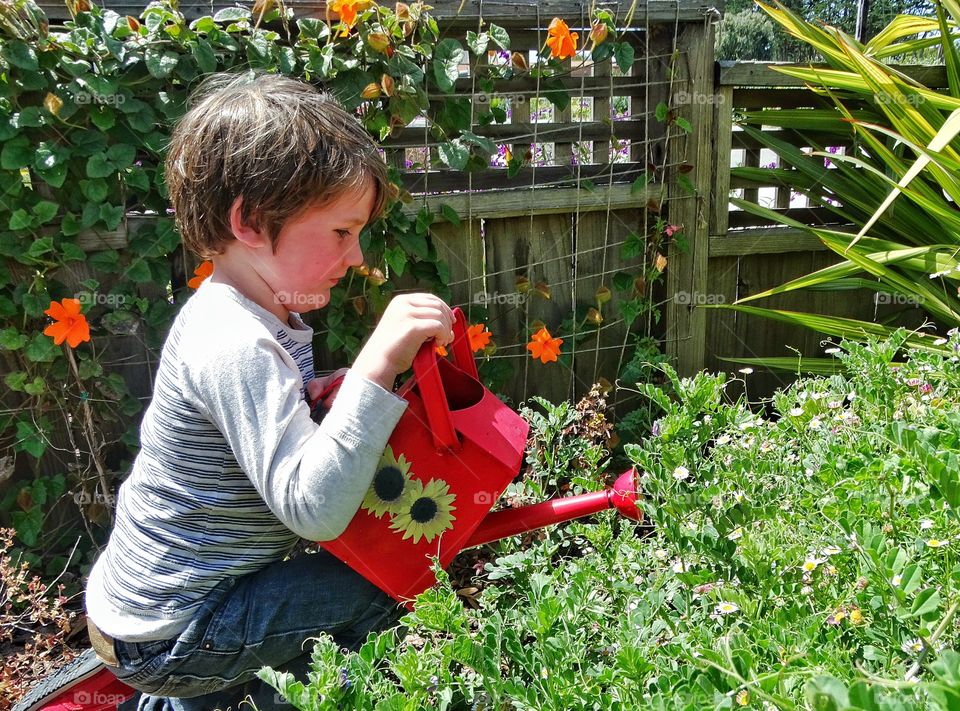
[[272, 181]]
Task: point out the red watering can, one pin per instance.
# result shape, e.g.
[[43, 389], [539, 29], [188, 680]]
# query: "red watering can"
[[449, 459]]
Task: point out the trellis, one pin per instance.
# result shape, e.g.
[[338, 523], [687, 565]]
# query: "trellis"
[[562, 221]]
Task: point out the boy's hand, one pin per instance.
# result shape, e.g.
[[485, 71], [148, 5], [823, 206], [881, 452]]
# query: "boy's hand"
[[409, 321], [316, 386]]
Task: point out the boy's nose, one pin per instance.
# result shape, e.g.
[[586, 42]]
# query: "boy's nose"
[[354, 257]]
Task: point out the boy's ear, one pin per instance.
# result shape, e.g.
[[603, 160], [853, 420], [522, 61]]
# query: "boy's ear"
[[245, 233]]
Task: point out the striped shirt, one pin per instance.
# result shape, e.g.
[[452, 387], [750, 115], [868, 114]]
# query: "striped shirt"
[[231, 469]]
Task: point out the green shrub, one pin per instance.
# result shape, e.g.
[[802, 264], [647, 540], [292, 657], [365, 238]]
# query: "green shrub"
[[805, 559]]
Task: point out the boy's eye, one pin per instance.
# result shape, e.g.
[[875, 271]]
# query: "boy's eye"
[[343, 234]]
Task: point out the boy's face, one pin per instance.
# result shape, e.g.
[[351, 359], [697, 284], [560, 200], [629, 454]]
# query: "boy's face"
[[315, 250]]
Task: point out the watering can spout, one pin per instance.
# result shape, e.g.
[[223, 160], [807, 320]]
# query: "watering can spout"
[[622, 496]]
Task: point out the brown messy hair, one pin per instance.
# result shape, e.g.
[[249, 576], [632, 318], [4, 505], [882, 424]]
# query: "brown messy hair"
[[276, 142]]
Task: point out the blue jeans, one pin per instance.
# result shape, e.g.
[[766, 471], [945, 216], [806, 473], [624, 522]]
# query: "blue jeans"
[[260, 619]]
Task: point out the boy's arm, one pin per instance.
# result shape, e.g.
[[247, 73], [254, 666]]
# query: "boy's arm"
[[312, 477]]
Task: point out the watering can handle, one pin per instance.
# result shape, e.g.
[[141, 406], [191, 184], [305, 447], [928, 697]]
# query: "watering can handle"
[[462, 355], [427, 375]]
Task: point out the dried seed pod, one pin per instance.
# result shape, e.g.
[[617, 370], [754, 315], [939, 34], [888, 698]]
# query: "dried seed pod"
[[599, 31], [378, 41], [519, 62], [370, 91], [386, 83], [603, 295], [53, 103]]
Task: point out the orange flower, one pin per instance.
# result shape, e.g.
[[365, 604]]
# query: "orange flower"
[[347, 10], [202, 272], [544, 347], [71, 325], [560, 40], [479, 337], [441, 351]]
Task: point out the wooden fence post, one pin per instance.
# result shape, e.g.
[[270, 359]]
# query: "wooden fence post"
[[686, 276]]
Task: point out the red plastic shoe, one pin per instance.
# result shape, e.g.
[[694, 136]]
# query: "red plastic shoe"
[[84, 684]]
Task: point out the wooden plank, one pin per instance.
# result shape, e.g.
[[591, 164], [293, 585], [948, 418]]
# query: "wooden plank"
[[491, 204], [452, 13], [496, 179], [601, 110], [763, 74], [461, 247], [753, 99], [599, 236], [763, 240], [527, 87], [521, 14], [751, 159], [754, 337], [720, 324], [806, 215], [559, 130], [561, 140], [538, 248], [721, 143], [518, 202], [740, 139], [687, 270]]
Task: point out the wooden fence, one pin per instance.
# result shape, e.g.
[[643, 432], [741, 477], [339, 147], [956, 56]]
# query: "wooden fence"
[[747, 254], [562, 220]]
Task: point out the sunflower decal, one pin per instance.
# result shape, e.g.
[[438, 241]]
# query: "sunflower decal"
[[425, 510], [390, 483]]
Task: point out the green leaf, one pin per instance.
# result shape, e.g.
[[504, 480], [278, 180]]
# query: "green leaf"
[[41, 349], [446, 64], [98, 167], [203, 54], [37, 387], [499, 36], [45, 210], [20, 54], [121, 155], [103, 117], [661, 111], [396, 259], [11, 339], [16, 153], [94, 190], [39, 247], [28, 524], [478, 42], [16, 380], [623, 53], [926, 602], [20, 220], [139, 271], [72, 253], [414, 243], [449, 214], [160, 63], [453, 153], [231, 14]]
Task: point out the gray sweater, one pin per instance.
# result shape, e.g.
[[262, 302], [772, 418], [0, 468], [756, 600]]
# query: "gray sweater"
[[231, 469]]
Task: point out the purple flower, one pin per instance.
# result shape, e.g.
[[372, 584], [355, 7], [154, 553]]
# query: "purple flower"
[[344, 680], [655, 430]]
